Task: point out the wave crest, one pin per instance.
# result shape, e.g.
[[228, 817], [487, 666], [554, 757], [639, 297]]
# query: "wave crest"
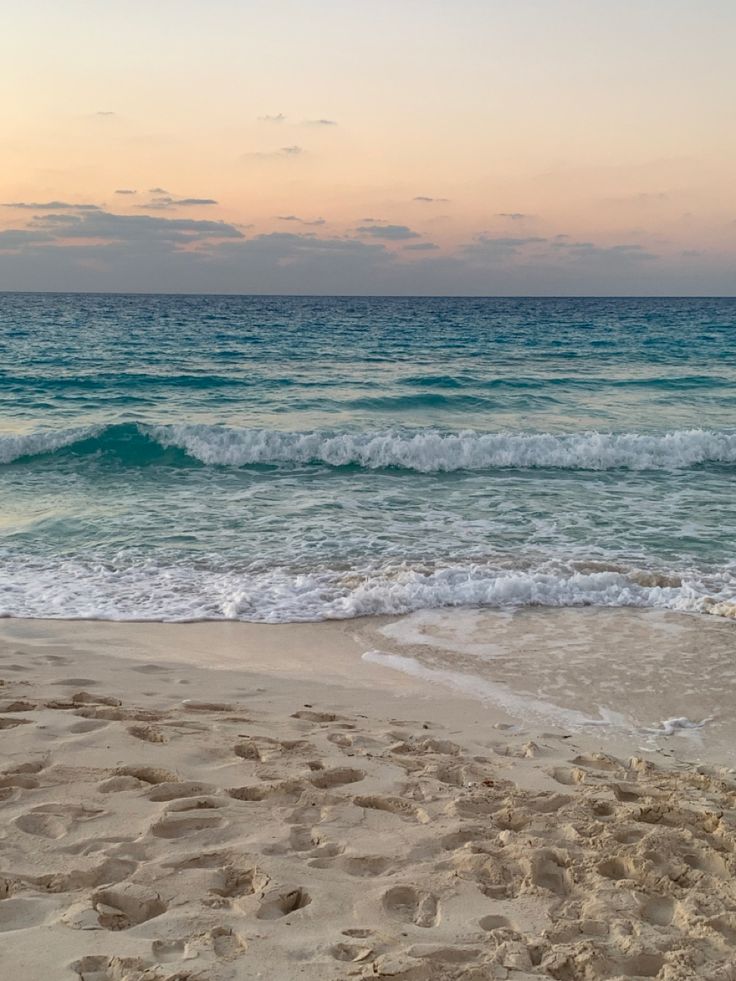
[[432, 451], [422, 451]]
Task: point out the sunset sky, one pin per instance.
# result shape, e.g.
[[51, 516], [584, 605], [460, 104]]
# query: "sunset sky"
[[369, 146]]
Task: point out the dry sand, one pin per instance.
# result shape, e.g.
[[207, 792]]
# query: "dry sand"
[[301, 812]]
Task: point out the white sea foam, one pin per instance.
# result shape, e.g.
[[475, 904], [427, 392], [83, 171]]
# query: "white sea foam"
[[430, 451], [148, 591], [668, 727]]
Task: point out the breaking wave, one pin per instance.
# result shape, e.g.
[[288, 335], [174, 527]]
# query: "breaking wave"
[[423, 451]]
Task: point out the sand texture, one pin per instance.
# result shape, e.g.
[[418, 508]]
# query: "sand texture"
[[161, 822]]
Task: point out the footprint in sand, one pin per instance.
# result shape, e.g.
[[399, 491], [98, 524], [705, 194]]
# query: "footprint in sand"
[[437, 747], [169, 951], [8, 723], [87, 698], [226, 943], [338, 777], [410, 905], [108, 873], [22, 781], [341, 739], [325, 853], [367, 866], [189, 824], [627, 834], [547, 803], [234, 883], [393, 805], [491, 923], [597, 761], [148, 774], [282, 792], [195, 804], [117, 785], [120, 909], [19, 705], [658, 910], [603, 809], [178, 790], [355, 953], [281, 904], [149, 734], [54, 820], [104, 968], [568, 776], [709, 861], [193, 706], [306, 715], [456, 839], [249, 749], [261, 749], [548, 871]]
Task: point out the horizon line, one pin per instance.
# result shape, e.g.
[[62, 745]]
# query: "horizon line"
[[386, 296]]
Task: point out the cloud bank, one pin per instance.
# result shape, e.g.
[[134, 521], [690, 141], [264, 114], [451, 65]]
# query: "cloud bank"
[[85, 247]]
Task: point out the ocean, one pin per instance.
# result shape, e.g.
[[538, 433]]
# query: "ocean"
[[305, 458]]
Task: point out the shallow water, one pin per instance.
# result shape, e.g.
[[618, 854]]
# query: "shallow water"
[[305, 458]]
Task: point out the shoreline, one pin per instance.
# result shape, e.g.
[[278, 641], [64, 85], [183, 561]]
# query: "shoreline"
[[302, 812], [624, 675]]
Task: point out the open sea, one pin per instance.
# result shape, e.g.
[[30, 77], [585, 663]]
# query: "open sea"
[[306, 458]]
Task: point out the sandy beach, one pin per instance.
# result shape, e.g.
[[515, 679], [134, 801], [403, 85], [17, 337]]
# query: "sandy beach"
[[225, 801]]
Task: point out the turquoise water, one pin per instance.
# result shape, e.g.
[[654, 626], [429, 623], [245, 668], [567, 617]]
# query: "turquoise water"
[[305, 458]]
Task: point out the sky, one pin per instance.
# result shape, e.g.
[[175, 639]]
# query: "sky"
[[482, 147]]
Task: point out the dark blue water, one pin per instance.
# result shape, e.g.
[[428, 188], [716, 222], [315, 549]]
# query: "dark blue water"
[[302, 458]]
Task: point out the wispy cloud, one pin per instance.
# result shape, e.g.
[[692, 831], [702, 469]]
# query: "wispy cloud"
[[50, 206], [589, 250], [320, 122], [424, 199], [500, 246], [301, 221], [394, 233], [512, 215], [125, 190], [282, 152], [421, 247], [278, 118], [105, 112], [165, 202]]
